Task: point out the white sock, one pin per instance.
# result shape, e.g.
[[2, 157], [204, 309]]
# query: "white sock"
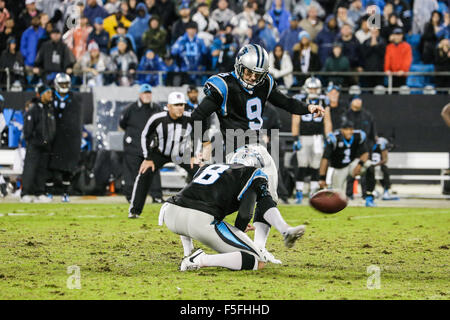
[[299, 185], [232, 260], [2, 180], [314, 186], [261, 234], [188, 246], [273, 216]]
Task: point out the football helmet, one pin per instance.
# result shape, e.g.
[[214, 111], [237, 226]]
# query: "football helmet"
[[62, 83], [255, 59], [247, 157], [312, 87]]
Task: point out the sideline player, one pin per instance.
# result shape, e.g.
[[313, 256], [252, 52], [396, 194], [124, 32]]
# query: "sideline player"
[[218, 190], [347, 154], [308, 138], [239, 97]]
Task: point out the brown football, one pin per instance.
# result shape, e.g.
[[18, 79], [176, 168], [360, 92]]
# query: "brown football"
[[328, 201]]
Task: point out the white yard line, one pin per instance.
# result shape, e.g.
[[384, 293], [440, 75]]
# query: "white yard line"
[[377, 216]]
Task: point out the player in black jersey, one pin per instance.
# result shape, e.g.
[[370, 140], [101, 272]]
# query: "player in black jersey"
[[347, 155], [308, 138], [238, 98], [378, 157], [218, 190]]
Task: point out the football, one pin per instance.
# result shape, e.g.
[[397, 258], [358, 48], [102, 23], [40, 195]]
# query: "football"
[[328, 201]]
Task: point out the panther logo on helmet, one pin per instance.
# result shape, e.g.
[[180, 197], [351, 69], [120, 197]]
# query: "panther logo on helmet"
[[251, 60]]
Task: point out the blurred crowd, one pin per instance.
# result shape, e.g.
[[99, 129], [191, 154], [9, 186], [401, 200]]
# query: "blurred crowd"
[[127, 42]]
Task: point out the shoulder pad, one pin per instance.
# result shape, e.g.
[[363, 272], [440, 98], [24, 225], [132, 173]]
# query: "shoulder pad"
[[383, 143], [362, 135], [271, 83], [217, 84]]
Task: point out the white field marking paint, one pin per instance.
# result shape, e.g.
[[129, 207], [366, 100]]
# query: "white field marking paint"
[[378, 216], [94, 216]]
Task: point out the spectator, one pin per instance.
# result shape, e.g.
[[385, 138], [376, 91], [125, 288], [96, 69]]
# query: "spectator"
[[190, 53], [152, 7], [77, 38], [94, 63], [29, 42], [280, 67], [444, 33], [4, 15], [244, 21], [429, 38], [179, 27], [442, 63], [363, 33], [155, 37], [125, 61], [302, 7], [110, 23], [92, 11], [172, 76], [25, 18], [53, 57], [207, 27], [422, 14], [167, 13], [46, 36], [132, 7], [9, 31], [398, 58], [99, 36], [392, 24], [121, 32], [326, 37], [55, 10], [290, 36], [263, 35], [150, 62], [355, 12], [222, 15], [403, 11], [139, 25], [337, 63], [305, 58], [223, 50], [12, 59], [312, 23], [373, 51], [280, 16], [350, 47], [336, 109], [342, 18], [125, 8], [362, 119]]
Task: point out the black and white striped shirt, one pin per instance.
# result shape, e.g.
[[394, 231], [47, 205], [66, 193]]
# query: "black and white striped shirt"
[[166, 136]]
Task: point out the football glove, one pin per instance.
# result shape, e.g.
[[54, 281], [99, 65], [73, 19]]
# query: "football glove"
[[331, 138]]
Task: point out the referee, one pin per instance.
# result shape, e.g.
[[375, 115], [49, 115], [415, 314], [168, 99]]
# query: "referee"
[[162, 140], [132, 121]]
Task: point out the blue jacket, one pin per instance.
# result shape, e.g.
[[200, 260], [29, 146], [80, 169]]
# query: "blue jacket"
[[92, 13], [289, 39], [155, 64], [28, 44], [101, 39], [324, 40], [281, 20], [190, 55], [264, 37], [139, 25]]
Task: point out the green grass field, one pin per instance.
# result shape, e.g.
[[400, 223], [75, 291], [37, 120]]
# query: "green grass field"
[[120, 258]]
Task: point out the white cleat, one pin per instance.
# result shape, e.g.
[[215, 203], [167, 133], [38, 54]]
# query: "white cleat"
[[43, 199], [133, 216], [293, 234], [193, 261], [269, 257], [26, 199]]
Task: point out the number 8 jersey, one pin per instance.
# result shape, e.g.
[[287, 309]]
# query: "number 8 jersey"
[[217, 189], [342, 152]]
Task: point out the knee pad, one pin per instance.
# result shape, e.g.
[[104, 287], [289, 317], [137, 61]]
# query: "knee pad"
[[249, 261]]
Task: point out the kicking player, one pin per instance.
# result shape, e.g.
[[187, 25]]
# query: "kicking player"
[[239, 97], [347, 154], [308, 138], [218, 190]]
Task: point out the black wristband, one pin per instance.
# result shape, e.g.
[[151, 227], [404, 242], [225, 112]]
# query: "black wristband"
[[322, 178]]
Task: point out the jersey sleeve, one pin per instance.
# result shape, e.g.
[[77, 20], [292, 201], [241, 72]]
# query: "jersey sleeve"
[[217, 88], [291, 105], [329, 147], [362, 144]]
